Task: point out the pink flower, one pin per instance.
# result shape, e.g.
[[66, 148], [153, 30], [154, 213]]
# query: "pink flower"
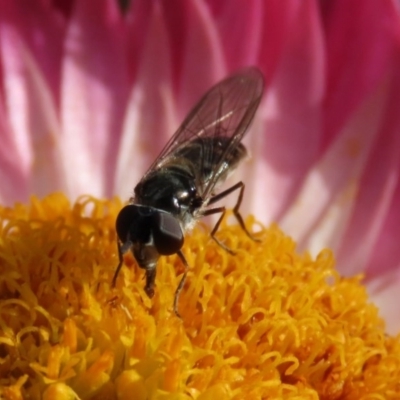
[[89, 96]]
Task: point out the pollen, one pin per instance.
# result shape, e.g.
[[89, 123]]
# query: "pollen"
[[264, 323]]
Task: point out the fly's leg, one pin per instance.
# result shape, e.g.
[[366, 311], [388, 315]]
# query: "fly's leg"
[[221, 210], [150, 281], [114, 280], [121, 251], [236, 213], [239, 216], [181, 283]]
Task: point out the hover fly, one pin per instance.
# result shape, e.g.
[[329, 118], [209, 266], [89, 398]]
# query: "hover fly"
[[180, 185]]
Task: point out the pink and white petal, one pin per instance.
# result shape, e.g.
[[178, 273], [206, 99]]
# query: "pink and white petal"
[[33, 131], [13, 178], [16, 96], [46, 171], [385, 255], [150, 116], [359, 38], [290, 115], [323, 207], [377, 188], [42, 31], [94, 93], [325, 203], [384, 291], [239, 25], [202, 63]]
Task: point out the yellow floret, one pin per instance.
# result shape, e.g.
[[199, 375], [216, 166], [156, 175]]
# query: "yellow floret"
[[264, 323]]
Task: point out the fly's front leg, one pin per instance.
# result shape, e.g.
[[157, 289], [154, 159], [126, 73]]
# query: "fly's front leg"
[[181, 283], [122, 249], [114, 280], [150, 281]]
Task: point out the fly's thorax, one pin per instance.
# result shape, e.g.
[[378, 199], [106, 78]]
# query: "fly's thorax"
[[171, 189]]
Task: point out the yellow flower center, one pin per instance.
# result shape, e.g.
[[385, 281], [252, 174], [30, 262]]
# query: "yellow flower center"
[[264, 323]]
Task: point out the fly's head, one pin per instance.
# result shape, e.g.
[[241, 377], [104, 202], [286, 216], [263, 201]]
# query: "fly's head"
[[149, 233]]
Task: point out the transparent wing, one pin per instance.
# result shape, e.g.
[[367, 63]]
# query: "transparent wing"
[[226, 110]]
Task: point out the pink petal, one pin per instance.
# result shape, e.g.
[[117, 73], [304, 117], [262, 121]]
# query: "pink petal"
[[375, 197], [13, 177], [290, 118], [384, 292], [360, 44], [240, 25], [46, 170], [385, 254], [33, 122], [42, 31], [137, 22], [16, 101], [93, 97], [277, 29], [323, 207], [202, 60], [150, 117]]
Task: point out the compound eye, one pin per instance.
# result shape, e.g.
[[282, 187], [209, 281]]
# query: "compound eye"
[[167, 234], [124, 221], [134, 223]]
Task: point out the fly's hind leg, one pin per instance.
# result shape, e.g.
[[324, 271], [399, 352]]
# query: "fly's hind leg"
[[222, 210], [239, 216], [216, 226]]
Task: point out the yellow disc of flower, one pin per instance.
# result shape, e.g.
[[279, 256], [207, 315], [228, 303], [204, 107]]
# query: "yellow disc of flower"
[[264, 323]]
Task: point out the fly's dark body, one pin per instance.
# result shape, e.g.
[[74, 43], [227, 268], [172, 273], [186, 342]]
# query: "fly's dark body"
[[180, 185], [174, 187]]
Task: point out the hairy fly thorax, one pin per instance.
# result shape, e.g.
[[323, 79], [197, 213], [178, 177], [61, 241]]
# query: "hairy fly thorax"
[[173, 188]]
